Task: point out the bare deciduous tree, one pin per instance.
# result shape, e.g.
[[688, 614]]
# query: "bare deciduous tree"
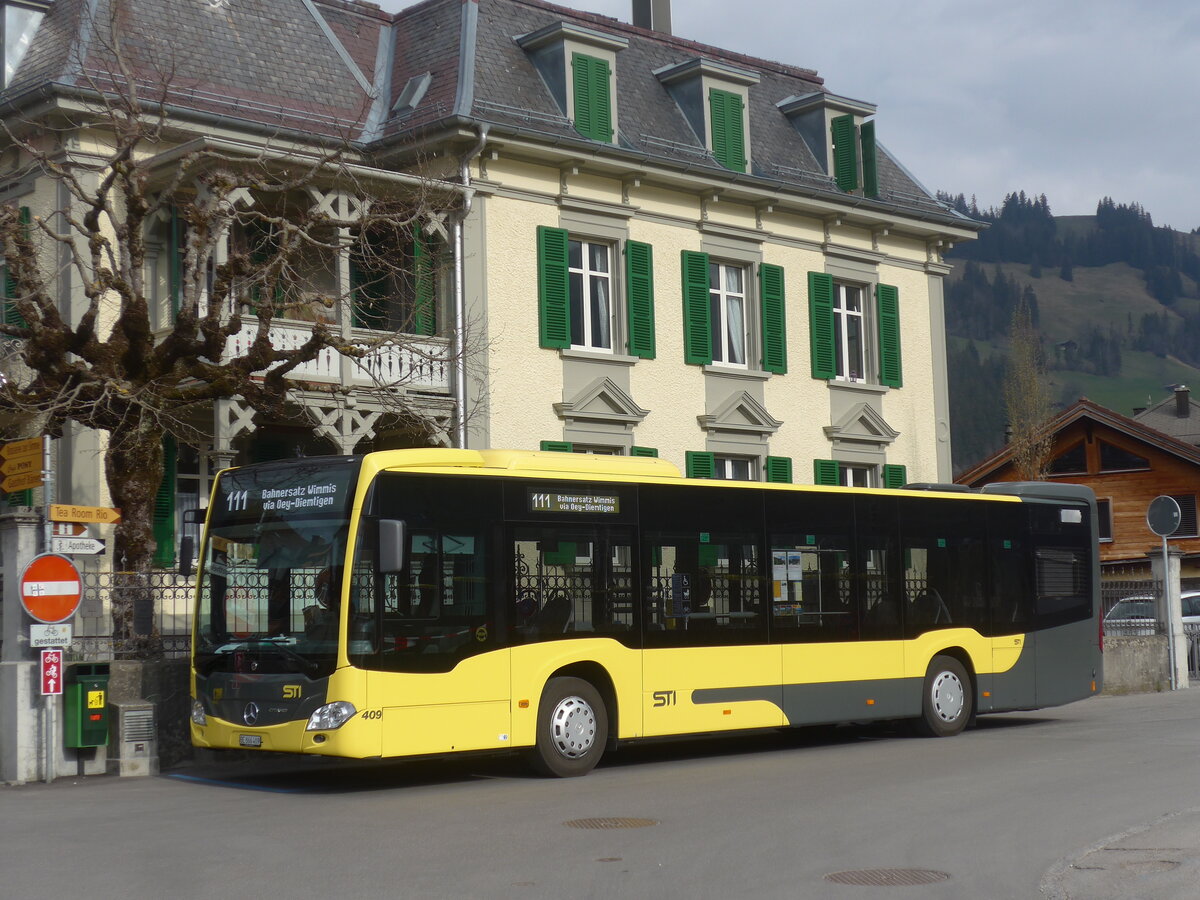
[[151, 288], [1027, 398]]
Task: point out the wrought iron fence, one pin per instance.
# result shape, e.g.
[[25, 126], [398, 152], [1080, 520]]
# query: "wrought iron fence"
[[132, 615], [1131, 607]]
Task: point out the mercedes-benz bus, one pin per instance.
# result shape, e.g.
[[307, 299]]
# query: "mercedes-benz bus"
[[425, 602]]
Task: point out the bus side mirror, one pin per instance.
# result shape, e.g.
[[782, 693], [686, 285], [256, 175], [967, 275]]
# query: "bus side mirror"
[[391, 545], [187, 549]]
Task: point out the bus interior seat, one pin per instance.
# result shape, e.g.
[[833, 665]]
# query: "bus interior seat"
[[555, 616]]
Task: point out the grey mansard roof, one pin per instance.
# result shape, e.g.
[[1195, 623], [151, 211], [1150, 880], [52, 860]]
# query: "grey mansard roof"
[[336, 68]]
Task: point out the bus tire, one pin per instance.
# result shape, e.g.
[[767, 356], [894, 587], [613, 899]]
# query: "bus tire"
[[946, 699], [572, 728]]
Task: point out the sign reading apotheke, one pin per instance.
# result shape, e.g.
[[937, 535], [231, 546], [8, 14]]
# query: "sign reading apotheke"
[[557, 502]]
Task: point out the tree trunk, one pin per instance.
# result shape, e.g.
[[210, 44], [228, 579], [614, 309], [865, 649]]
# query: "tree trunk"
[[133, 467]]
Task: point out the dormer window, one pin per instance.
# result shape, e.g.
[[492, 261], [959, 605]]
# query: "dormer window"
[[840, 136], [579, 67], [20, 22], [714, 98]]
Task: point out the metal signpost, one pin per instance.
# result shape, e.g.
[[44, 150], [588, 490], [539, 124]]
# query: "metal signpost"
[[1163, 517], [50, 590]]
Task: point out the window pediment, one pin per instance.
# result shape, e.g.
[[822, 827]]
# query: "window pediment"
[[862, 425], [740, 413], [602, 401]]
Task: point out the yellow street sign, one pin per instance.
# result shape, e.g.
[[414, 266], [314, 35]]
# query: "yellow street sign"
[[22, 482], [64, 512], [21, 449], [20, 465]]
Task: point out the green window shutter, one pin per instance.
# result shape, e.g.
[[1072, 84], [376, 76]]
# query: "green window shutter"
[[590, 77], [565, 555], [357, 294], [11, 315], [774, 320], [820, 325], [554, 294], [845, 153], [888, 311], [163, 526], [700, 464], [424, 306], [558, 446], [779, 469], [644, 451], [697, 324], [869, 157], [895, 477], [826, 471], [639, 298], [728, 131]]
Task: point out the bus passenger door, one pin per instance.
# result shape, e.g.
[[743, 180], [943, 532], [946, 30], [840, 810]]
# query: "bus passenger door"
[[706, 664]]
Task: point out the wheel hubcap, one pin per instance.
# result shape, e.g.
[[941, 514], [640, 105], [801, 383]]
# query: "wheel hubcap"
[[948, 696], [573, 727]]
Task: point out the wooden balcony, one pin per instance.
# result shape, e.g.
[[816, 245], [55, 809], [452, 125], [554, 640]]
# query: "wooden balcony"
[[421, 363]]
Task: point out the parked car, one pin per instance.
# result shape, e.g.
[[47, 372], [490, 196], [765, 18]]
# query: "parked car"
[[1139, 615]]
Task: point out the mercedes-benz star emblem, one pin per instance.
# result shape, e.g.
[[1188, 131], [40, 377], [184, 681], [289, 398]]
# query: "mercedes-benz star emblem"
[[250, 713]]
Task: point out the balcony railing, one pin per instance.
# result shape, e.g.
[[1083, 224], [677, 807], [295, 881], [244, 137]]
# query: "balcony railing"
[[420, 363]]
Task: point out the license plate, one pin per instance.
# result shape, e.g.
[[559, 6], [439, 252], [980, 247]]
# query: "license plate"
[[250, 740]]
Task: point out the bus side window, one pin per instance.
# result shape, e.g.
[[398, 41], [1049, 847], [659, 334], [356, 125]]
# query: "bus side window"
[[571, 581]]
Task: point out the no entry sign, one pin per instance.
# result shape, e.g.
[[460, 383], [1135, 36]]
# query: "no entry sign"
[[50, 588]]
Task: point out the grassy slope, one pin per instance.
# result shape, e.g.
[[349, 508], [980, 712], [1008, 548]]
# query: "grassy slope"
[[1107, 297]]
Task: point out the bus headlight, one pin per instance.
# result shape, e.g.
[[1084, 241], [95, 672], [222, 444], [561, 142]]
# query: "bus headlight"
[[198, 716], [331, 716]]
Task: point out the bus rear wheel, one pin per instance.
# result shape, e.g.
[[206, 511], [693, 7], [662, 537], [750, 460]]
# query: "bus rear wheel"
[[572, 728], [946, 699]]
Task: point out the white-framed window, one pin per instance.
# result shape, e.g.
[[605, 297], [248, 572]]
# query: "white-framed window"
[[590, 284], [856, 476], [596, 450], [735, 468], [728, 314], [849, 332]]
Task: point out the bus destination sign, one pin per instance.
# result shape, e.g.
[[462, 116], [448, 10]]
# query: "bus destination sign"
[[554, 502]]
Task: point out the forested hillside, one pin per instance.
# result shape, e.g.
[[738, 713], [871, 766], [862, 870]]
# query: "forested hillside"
[[1115, 299]]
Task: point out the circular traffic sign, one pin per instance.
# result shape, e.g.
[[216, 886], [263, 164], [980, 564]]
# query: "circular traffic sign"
[[50, 588], [1163, 516]]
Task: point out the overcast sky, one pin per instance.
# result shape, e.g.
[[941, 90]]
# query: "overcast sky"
[[1075, 100]]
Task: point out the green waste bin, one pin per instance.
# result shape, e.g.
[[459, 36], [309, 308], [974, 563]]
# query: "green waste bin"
[[85, 705]]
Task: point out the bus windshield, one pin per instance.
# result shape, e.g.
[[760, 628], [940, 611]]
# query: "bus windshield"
[[272, 574]]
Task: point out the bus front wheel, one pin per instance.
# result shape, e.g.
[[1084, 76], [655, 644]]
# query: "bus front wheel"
[[946, 699], [572, 728]]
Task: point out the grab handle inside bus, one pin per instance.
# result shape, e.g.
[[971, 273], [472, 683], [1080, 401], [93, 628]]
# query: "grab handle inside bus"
[[391, 545]]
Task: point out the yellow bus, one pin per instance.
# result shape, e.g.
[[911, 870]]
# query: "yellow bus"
[[425, 602]]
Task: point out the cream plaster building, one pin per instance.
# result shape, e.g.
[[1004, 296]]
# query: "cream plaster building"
[[653, 246]]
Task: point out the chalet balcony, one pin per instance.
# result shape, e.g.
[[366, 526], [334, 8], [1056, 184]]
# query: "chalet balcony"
[[420, 364]]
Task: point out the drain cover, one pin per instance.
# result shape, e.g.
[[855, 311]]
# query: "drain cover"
[[888, 877], [605, 822]]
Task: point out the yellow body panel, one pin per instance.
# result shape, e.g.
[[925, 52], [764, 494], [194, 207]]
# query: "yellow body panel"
[[438, 712], [672, 677]]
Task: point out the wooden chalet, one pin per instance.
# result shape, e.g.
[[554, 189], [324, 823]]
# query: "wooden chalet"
[[1127, 463]]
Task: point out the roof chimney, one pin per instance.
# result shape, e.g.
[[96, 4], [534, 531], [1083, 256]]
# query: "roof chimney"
[[653, 14], [1183, 406]]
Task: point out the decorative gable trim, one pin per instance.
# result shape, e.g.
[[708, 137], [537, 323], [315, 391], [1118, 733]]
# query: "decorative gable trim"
[[691, 68], [863, 424], [602, 400], [560, 32], [740, 413]]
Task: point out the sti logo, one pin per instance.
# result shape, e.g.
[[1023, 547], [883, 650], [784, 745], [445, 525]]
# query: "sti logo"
[[291, 692]]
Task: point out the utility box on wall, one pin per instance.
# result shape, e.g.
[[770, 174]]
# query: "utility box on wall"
[[85, 705], [134, 749]]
